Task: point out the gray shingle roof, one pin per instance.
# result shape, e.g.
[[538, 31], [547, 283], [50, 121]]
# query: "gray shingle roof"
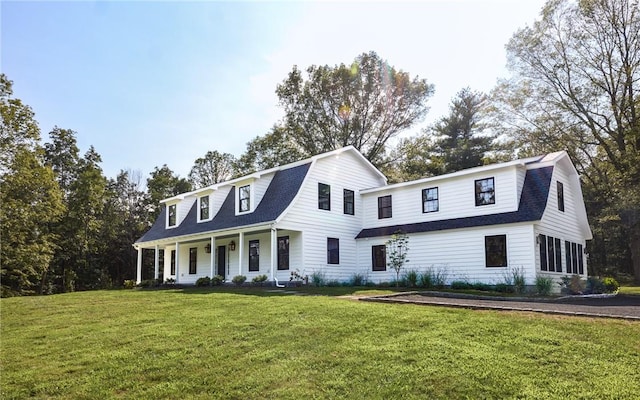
[[533, 201], [281, 191]]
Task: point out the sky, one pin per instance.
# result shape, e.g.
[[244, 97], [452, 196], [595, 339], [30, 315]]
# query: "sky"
[[149, 83]]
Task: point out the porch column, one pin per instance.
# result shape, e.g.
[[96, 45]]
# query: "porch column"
[[177, 262], [139, 266], [274, 251], [213, 253], [156, 263], [240, 252]]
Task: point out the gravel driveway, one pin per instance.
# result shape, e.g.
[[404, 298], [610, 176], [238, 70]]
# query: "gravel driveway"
[[619, 306]]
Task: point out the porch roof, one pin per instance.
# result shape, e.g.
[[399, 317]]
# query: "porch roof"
[[281, 191], [533, 202]]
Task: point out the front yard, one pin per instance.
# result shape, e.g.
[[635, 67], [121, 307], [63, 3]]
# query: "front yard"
[[257, 343]]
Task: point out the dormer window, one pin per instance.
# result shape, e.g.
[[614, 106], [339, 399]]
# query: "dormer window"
[[485, 192], [244, 195], [172, 216], [204, 208]]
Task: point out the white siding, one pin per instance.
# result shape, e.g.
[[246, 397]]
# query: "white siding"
[[217, 199], [456, 198], [343, 171], [460, 252]]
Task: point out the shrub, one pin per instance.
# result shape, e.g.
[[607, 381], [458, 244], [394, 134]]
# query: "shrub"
[[169, 281], [411, 278], [239, 279], [217, 280], [148, 283], [610, 285], [481, 286], [129, 284], [318, 279], [203, 281], [439, 276], [572, 284], [425, 279], [515, 277], [503, 288], [358, 280], [259, 279], [544, 285], [594, 285], [460, 285]]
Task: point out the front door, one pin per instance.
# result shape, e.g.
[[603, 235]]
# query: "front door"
[[222, 261]]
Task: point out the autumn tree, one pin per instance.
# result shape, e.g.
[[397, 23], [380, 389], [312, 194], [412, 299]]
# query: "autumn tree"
[[574, 86]]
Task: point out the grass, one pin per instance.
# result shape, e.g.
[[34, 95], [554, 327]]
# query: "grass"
[[257, 344], [630, 290]]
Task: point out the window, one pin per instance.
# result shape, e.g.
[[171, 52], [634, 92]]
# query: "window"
[[193, 260], [384, 207], [254, 255], [204, 207], [349, 202], [173, 262], [245, 198], [333, 251], [574, 258], [172, 215], [550, 254], [485, 192], [560, 190], [430, 200], [324, 196], [495, 250], [283, 253], [379, 257]]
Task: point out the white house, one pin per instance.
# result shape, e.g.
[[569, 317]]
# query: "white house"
[[333, 213]]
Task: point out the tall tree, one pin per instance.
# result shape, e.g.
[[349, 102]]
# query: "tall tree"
[[163, 183], [214, 167], [63, 155], [363, 104], [30, 199], [574, 86], [271, 150], [460, 138]]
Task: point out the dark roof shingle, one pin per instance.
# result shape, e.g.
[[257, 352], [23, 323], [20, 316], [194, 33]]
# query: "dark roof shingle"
[[281, 191]]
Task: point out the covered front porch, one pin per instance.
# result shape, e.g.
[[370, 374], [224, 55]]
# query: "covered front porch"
[[262, 250]]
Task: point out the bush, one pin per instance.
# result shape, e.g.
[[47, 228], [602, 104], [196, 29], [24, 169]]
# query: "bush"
[[204, 281], [610, 285], [411, 278], [129, 284], [572, 284], [259, 279], [483, 287], [358, 280], [519, 282], [544, 285], [503, 288], [149, 283], [425, 279], [318, 279], [217, 280], [594, 285], [239, 279], [169, 281], [460, 285], [439, 276]]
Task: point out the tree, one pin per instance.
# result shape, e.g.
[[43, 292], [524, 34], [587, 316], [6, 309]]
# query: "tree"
[[268, 151], [397, 250], [163, 183], [62, 154], [19, 129], [214, 167], [576, 74], [363, 104], [460, 138], [30, 199]]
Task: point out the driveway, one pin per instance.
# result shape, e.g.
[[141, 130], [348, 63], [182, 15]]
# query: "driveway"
[[619, 306]]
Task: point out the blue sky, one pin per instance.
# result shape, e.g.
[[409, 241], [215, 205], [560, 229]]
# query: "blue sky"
[[152, 83]]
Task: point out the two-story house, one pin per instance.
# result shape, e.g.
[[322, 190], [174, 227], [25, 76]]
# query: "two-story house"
[[333, 213]]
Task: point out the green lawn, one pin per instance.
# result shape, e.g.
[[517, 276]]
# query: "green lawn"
[[631, 290], [254, 344]]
